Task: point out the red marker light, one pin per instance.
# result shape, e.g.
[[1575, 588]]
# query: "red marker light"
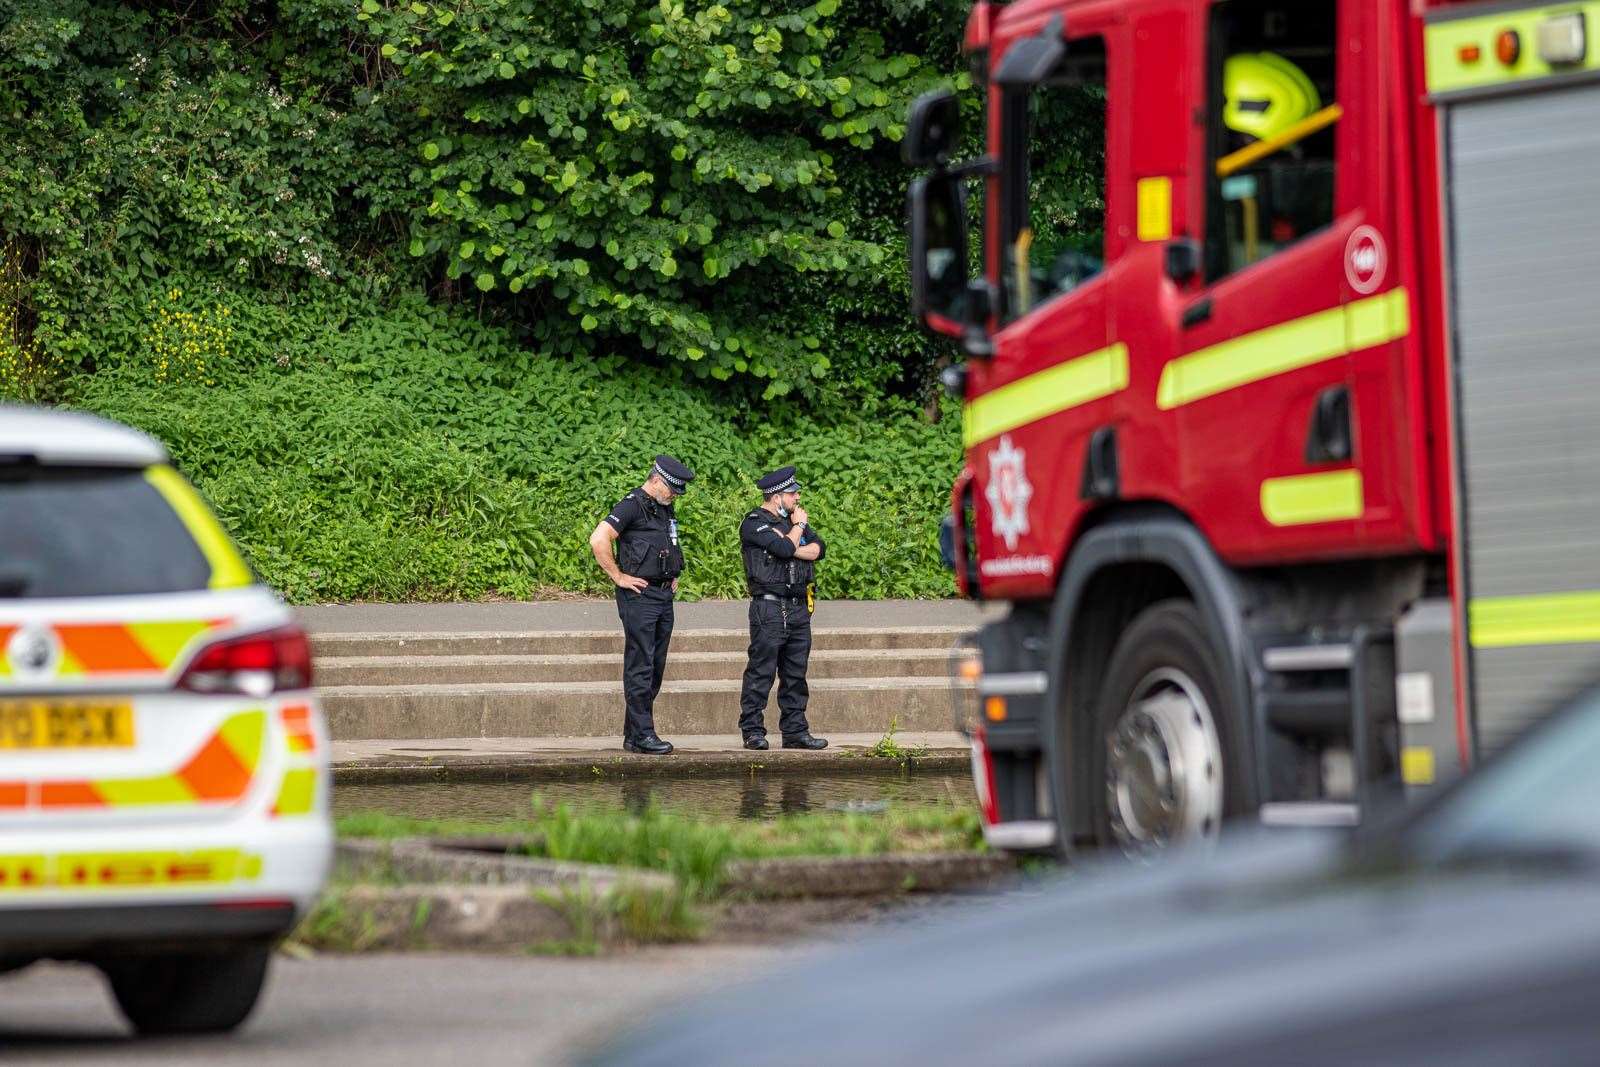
[[1470, 53], [1508, 47]]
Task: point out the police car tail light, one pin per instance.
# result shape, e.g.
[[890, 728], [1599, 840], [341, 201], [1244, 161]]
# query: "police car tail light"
[[252, 665]]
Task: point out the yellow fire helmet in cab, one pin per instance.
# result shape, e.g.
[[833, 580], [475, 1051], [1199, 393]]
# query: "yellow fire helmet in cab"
[[1265, 94]]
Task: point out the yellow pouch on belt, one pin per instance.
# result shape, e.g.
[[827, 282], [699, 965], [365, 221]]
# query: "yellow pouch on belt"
[[811, 598]]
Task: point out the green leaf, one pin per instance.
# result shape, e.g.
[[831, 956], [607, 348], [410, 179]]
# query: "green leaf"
[[590, 322], [430, 151], [467, 249], [826, 7], [417, 247], [836, 229], [669, 266], [371, 7], [485, 281], [507, 70], [388, 51]]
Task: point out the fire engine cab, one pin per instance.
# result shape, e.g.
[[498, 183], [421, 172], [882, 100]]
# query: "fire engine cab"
[[1278, 325]]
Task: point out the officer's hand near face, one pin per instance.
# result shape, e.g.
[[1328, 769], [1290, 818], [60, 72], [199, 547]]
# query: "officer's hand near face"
[[799, 515]]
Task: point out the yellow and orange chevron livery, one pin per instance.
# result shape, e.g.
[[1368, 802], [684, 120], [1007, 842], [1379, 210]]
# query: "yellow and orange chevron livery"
[[297, 728], [131, 650], [219, 773]]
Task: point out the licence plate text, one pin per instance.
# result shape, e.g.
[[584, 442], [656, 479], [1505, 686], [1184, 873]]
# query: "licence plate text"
[[65, 724]]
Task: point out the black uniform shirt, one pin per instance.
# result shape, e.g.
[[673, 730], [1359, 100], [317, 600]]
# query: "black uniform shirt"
[[770, 566], [647, 537]]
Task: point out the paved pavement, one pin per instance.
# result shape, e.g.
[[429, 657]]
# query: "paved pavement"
[[601, 614], [382, 1010]]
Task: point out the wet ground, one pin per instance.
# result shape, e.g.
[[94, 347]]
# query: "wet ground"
[[750, 796]]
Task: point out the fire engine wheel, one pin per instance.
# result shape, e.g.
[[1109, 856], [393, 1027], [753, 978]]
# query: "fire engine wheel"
[[1162, 753]]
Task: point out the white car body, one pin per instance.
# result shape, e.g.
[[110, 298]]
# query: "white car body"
[[143, 805]]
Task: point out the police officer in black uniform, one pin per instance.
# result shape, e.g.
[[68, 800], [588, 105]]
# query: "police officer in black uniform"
[[780, 553], [645, 569]]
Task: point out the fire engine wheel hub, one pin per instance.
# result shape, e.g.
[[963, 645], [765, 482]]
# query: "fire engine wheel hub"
[[1164, 765]]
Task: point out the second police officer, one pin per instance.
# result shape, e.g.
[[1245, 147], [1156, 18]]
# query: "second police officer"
[[645, 570], [780, 552]]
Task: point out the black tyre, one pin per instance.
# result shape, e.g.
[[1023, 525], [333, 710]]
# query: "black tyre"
[[1166, 750], [189, 993]]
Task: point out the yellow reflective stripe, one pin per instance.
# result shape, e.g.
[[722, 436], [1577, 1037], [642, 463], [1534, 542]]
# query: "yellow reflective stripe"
[[1282, 348], [1155, 209], [1541, 619], [1049, 392], [167, 789], [243, 734], [1416, 765], [1444, 40], [1304, 498], [165, 640], [228, 571], [298, 793]]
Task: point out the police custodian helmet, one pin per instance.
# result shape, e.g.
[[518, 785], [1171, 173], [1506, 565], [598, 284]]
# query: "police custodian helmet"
[[781, 480], [675, 474]]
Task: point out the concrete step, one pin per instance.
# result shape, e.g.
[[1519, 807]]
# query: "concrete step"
[[591, 709], [600, 642], [607, 666]]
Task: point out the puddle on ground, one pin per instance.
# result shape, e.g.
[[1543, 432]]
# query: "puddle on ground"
[[756, 796]]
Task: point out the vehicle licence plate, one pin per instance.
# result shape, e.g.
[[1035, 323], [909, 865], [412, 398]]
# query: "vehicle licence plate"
[[65, 724]]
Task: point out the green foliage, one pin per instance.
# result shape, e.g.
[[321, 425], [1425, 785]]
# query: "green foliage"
[[889, 747], [414, 455], [414, 290], [695, 849], [648, 171]]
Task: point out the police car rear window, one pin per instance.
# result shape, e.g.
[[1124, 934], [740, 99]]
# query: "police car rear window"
[[67, 532]]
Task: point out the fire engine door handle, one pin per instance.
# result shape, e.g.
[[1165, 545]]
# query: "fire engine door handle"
[[1197, 312]]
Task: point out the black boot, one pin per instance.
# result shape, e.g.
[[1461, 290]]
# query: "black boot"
[[755, 742], [804, 740], [647, 744]]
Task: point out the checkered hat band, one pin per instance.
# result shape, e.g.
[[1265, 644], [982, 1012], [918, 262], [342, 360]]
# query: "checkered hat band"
[[676, 483], [790, 486]]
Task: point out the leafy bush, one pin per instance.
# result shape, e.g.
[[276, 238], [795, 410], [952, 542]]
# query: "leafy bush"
[[420, 456]]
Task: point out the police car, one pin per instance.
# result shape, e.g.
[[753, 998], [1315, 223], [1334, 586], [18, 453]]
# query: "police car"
[[163, 761]]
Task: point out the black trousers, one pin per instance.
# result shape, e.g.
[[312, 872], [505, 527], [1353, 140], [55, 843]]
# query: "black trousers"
[[646, 630], [780, 643]]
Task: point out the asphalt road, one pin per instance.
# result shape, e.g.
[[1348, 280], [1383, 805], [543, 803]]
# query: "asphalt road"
[[385, 1010]]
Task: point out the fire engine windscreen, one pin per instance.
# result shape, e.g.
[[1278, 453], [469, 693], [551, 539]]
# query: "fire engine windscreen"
[[1274, 119], [1054, 188]]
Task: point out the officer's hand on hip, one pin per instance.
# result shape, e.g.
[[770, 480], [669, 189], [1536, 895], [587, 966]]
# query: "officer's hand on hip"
[[630, 582], [674, 586]]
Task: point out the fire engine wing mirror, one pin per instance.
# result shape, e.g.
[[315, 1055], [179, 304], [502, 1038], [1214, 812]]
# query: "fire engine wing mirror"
[[941, 293], [933, 127], [1031, 59]]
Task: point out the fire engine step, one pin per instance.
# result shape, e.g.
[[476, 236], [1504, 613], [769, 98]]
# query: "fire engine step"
[[1285, 658], [1310, 813]]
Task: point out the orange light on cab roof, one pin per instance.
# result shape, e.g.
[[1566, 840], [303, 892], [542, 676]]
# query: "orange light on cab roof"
[[1508, 47]]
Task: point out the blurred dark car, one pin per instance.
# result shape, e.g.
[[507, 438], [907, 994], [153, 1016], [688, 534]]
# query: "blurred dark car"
[[1467, 933]]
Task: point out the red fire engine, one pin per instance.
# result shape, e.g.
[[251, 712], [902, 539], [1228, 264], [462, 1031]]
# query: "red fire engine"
[[1280, 442]]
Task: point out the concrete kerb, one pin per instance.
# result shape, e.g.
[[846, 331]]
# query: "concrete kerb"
[[567, 767]]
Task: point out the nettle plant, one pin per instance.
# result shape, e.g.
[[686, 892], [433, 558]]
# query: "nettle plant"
[[631, 175]]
